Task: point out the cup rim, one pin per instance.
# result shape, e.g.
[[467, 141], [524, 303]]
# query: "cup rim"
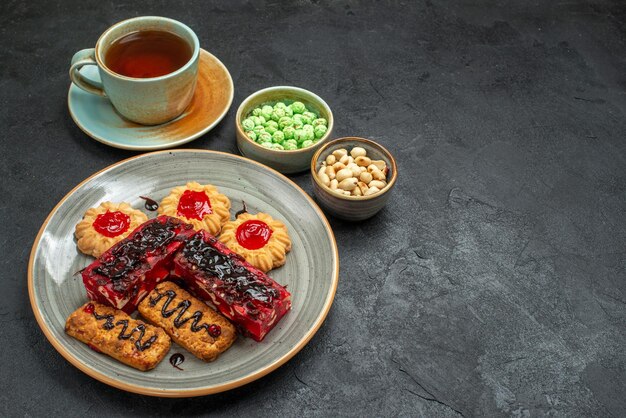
[[324, 189], [321, 141], [194, 55]]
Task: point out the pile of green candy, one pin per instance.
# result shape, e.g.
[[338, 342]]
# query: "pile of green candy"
[[284, 127]]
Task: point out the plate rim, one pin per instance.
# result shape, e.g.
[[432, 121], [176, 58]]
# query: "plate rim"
[[178, 393], [182, 141]]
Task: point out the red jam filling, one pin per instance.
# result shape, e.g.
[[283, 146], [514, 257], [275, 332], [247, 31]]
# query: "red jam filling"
[[194, 205], [253, 234], [111, 224], [215, 330]]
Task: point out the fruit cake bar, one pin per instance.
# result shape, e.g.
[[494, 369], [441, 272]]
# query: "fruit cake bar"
[[130, 269], [241, 292]]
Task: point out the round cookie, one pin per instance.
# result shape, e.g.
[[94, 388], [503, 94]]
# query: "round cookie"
[[260, 239], [199, 205], [106, 225]]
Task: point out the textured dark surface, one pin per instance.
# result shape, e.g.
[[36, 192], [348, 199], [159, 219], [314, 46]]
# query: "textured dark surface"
[[494, 283]]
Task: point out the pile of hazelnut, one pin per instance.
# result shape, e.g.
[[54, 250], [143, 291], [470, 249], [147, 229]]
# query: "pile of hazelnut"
[[354, 173]]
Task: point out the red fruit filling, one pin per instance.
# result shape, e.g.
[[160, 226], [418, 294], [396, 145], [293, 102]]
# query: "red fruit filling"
[[111, 224], [194, 205], [253, 234], [215, 330]]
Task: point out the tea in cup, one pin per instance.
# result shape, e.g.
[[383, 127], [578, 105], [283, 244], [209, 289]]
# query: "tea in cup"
[[148, 66]]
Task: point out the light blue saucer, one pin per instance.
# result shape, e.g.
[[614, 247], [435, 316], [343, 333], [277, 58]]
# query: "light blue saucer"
[[95, 115]]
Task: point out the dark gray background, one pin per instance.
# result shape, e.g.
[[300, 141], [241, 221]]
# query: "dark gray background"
[[494, 281]]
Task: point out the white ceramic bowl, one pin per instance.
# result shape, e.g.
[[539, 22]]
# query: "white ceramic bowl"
[[292, 161]]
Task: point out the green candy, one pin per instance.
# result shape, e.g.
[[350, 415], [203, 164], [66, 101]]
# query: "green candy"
[[298, 107], [308, 132], [264, 137], [277, 114], [306, 119], [251, 135], [289, 131], [319, 121], [284, 127], [297, 121], [299, 135], [284, 122], [278, 136], [319, 131], [247, 124], [266, 111], [271, 123]]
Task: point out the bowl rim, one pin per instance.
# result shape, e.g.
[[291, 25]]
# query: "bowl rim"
[[323, 139], [325, 189]]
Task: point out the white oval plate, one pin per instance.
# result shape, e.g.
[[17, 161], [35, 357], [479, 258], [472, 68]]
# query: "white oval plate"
[[311, 272]]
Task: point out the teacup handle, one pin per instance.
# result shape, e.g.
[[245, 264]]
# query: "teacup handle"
[[79, 60]]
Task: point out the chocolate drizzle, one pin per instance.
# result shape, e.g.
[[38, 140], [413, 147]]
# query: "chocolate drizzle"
[[237, 282], [127, 254], [243, 210], [176, 360], [213, 330], [109, 324], [150, 204]]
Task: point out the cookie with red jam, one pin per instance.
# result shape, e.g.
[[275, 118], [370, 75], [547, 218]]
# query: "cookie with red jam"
[[260, 239], [202, 206], [106, 225]]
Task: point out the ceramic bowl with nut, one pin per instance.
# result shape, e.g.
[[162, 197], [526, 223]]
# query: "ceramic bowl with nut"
[[283, 127], [353, 177]]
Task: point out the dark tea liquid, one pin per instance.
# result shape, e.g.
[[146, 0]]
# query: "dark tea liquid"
[[147, 54]]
